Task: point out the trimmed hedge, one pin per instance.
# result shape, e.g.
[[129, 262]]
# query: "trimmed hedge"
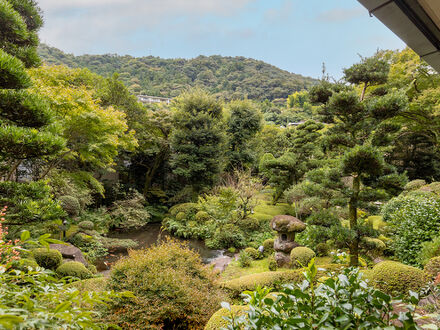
[[217, 320], [47, 258], [271, 279], [74, 269], [301, 256], [396, 278]]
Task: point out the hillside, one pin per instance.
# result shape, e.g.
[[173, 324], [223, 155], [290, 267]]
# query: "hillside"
[[226, 76]]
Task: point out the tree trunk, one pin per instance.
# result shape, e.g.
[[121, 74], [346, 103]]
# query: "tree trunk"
[[352, 207], [150, 174], [13, 170], [363, 91]]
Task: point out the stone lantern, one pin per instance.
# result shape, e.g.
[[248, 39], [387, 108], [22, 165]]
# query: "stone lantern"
[[286, 226]]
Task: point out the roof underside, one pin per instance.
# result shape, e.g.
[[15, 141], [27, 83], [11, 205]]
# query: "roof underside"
[[416, 22]]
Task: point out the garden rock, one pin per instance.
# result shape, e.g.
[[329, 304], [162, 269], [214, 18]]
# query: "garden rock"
[[71, 252]]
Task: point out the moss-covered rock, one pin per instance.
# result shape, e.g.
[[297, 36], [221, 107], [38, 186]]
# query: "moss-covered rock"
[[217, 320], [432, 267], [396, 278], [301, 256], [117, 244], [287, 224], [74, 269], [47, 258]]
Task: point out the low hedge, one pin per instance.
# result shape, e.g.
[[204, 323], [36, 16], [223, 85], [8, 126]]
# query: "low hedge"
[[271, 279], [74, 269], [217, 320], [432, 268], [396, 278], [47, 258]]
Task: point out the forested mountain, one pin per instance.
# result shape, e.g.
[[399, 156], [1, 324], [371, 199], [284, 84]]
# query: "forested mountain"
[[229, 77]]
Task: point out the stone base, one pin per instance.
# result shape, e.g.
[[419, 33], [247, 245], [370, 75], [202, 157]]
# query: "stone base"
[[282, 259], [284, 246]]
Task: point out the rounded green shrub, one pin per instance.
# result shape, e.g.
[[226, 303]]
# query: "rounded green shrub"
[[180, 216], [414, 185], [173, 289], [71, 205], [74, 269], [86, 225], [396, 278], [249, 224], [268, 246], [432, 268], [301, 256], [322, 249], [187, 208], [202, 216], [272, 264], [92, 268], [244, 259], [24, 263], [217, 320], [253, 253], [47, 258]]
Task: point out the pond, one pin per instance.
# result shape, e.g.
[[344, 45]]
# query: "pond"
[[152, 234]]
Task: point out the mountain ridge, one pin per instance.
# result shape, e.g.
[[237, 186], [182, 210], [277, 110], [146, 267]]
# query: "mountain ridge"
[[226, 76]]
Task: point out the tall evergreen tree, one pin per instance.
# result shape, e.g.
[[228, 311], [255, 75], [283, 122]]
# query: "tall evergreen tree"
[[197, 140], [359, 136]]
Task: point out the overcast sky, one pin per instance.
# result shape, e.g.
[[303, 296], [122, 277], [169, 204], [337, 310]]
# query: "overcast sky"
[[295, 35]]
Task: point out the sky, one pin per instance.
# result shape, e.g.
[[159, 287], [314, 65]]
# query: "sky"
[[294, 35]]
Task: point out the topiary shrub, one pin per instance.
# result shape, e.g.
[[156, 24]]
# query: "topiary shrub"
[[180, 216], [217, 320], [24, 264], [253, 253], [268, 246], [244, 259], [322, 249], [173, 289], [432, 268], [201, 217], [71, 205], [186, 208], [301, 256], [373, 246], [46, 258], [86, 225], [396, 278], [272, 264], [414, 185], [74, 269]]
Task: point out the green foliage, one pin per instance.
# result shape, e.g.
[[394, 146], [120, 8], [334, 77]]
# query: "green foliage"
[[432, 267], [217, 320], [197, 139], [86, 225], [371, 70], [273, 265], [171, 285], [244, 259], [74, 269], [414, 219], [29, 204], [226, 236], [341, 302], [70, 205], [268, 246], [253, 253], [129, 213], [47, 258], [363, 160], [301, 256], [228, 77], [322, 249], [429, 250], [396, 278]]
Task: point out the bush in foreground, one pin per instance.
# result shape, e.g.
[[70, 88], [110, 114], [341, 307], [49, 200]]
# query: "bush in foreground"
[[343, 302], [218, 321], [396, 278], [173, 289]]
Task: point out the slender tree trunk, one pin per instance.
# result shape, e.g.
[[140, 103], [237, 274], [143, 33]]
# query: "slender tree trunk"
[[363, 91], [54, 163], [13, 169], [352, 207], [150, 174]]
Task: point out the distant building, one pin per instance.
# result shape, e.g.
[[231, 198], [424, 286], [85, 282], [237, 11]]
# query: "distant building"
[[153, 99], [296, 123]]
